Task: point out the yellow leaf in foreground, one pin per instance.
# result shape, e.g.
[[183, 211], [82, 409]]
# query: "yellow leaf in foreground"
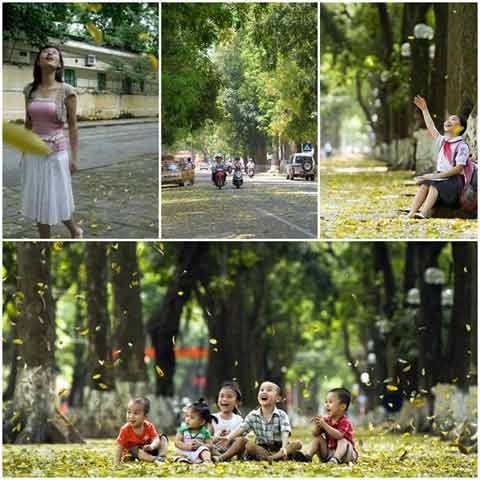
[[24, 140]]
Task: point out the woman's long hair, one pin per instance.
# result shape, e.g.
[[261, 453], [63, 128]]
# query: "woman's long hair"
[[37, 71]]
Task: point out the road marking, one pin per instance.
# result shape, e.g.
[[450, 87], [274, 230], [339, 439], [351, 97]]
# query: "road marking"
[[282, 220]]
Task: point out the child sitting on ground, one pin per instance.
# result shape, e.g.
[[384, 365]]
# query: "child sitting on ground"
[[229, 398], [333, 434], [193, 440], [138, 438], [271, 427]]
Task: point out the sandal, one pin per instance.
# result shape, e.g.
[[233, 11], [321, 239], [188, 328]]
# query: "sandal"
[[420, 216]]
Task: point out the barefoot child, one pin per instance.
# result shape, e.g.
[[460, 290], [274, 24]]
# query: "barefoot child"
[[333, 434], [229, 398], [271, 427], [193, 440], [452, 167], [138, 438]]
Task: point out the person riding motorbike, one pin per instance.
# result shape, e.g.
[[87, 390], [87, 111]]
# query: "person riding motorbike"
[[237, 172], [250, 165], [218, 165]]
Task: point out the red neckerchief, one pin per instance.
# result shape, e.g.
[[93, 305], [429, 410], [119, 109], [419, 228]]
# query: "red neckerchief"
[[447, 148]]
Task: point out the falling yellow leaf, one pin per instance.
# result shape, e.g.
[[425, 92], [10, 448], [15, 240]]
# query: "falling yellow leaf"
[[101, 362], [159, 371], [468, 328], [407, 368], [423, 372], [153, 61], [94, 7], [392, 388], [94, 32], [102, 386], [144, 36], [18, 341], [24, 140], [57, 246], [130, 344], [84, 332], [62, 392], [180, 293], [213, 341], [96, 376]]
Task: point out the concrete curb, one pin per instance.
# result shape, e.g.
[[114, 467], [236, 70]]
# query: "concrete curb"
[[111, 123]]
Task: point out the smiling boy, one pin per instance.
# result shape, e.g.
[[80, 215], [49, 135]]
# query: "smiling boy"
[[333, 434], [271, 427], [138, 438]]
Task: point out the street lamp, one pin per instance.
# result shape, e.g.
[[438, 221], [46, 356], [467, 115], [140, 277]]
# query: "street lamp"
[[423, 32], [447, 298], [434, 276], [405, 50]]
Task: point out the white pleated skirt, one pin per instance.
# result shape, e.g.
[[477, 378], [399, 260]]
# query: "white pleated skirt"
[[47, 195]]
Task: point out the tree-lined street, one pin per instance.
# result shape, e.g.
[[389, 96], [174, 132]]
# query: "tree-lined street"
[[266, 206]]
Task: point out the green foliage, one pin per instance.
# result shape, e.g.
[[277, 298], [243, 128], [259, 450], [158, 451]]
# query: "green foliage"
[[126, 26], [382, 454]]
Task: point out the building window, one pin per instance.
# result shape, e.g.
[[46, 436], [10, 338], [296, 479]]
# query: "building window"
[[127, 85], [102, 81], [70, 77]]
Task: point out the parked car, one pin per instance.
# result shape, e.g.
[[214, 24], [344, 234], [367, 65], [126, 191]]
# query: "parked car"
[[203, 165], [177, 171], [301, 165]]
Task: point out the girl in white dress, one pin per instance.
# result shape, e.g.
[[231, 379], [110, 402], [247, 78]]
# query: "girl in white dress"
[[229, 418], [47, 194]]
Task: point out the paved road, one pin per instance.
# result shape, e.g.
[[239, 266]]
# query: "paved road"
[[266, 206], [99, 146], [115, 191]]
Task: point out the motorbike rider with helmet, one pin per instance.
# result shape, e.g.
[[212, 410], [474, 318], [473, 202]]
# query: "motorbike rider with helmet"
[[218, 165]]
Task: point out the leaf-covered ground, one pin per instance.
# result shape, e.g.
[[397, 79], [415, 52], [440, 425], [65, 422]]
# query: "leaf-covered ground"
[[360, 199], [381, 455]]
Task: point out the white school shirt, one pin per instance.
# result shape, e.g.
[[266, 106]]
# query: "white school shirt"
[[229, 425], [461, 158]]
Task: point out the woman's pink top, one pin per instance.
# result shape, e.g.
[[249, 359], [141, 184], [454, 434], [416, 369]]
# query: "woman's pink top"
[[49, 115], [43, 113]]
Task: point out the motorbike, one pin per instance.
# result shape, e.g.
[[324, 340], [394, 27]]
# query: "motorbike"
[[219, 177], [237, 177], [251, 171]]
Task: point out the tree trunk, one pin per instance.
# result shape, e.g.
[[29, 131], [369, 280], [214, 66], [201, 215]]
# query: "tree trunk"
[[165, 321], [128, 325], [261, 151], [429, 320], [438, 83], [31, 417], [459, 337], [462, 58], [100, 355]]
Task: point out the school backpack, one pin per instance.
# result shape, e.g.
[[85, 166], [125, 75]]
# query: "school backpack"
[[468, 195]]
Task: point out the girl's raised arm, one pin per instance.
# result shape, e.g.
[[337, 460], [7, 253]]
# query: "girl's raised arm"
[[422, 105]]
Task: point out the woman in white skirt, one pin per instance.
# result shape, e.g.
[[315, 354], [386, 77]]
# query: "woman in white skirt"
[[47, 194]]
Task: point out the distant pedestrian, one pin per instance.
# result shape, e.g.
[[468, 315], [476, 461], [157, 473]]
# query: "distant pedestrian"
[[328, 149], [446, 184], [47, 195]]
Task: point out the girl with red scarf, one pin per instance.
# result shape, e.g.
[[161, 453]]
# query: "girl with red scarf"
[[446, 184]]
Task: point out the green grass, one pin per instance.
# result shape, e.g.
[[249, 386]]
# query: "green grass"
[[381, 455]]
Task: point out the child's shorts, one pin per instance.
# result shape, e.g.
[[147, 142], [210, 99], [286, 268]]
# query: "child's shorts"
[[133, 452], [350, 455], [190, 456], [271, 448]]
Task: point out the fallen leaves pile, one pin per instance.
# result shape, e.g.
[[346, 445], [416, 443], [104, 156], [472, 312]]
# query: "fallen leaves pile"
[[381, 455]]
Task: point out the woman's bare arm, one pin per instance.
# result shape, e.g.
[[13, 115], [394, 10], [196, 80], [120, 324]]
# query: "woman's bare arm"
[[73, 131]]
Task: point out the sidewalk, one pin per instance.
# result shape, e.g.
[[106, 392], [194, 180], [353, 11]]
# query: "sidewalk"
[[116, 121], [116, 201]]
